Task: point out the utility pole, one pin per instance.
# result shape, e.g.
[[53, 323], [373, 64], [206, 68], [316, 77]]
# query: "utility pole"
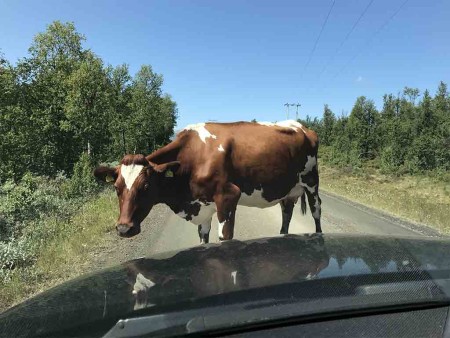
[[296, 112], [287, 105]]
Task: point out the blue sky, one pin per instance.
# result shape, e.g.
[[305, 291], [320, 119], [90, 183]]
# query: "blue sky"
[[238, 60]]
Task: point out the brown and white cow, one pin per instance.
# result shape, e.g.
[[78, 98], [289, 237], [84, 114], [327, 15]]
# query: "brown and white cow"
[[213, 167]]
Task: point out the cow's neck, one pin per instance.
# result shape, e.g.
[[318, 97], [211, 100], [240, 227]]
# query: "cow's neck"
[[165, 154], [176, 191]]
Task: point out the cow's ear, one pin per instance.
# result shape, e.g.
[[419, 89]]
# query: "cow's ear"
[[168, 169], [106, 174]]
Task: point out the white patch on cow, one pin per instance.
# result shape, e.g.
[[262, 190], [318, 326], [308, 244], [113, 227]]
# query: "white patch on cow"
[[268, 124], [130, 173], [256, 199], [122, 228], [182, 214], [233, 276], [206, 227], [220, 229], [204, 215], [309, 276], [316, 213], [294, 125], [296, 191], [309, 165], [311, 189], [142, 285], [220, 148], [201, 130]]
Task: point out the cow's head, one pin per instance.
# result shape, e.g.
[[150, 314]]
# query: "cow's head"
[[137, 182]]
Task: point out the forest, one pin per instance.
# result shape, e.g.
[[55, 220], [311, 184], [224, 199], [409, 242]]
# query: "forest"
[[410, 134]]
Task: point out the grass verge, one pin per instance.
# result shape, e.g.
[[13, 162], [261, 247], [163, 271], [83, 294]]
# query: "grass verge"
[[64, 256], [420, 199]]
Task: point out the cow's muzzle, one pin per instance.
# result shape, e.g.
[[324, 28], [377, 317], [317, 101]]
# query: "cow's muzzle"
[[128, 230]]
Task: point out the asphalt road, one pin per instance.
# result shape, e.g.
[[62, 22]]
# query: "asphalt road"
[[164, 231]]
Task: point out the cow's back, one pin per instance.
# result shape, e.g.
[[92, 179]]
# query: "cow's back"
[[262, 156]]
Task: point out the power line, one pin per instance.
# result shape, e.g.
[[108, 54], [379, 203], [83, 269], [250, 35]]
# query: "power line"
[[361, 50], [318, 37], [345, 39]]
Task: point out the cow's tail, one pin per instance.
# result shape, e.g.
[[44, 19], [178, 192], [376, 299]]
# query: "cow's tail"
[[303, 203]]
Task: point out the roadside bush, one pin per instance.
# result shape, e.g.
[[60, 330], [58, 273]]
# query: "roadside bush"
[[389, 162], [33, 210], [82, 182], [16, 253]]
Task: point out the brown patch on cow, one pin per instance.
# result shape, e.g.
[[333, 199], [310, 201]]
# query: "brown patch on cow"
[[135, 159]]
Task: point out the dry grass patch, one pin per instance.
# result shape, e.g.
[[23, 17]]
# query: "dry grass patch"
[[419, 199]]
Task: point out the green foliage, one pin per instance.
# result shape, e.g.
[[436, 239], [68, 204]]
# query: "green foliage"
[[61, 99], [328, 122], [406, 136], [82, 182], [24, 207]]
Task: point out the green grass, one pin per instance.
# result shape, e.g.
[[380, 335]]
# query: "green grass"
[[422, 199], [64, 256]]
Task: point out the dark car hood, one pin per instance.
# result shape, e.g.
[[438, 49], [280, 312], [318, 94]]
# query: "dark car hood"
[[215, 271]]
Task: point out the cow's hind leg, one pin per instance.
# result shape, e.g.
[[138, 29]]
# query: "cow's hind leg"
[[203, 231], [315, 205], [226, 202], [287, 206]]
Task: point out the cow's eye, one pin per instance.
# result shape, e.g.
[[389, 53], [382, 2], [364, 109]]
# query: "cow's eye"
[[146, 186]]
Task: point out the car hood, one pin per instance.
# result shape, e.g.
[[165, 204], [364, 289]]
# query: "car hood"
[[215, 271]]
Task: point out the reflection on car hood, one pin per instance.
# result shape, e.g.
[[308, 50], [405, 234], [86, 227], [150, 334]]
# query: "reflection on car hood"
[[217, 270]]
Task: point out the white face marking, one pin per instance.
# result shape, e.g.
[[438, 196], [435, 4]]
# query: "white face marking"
[[130, 173], [122, 228], [294, 125], [233, 276], [200, 128], [220, 148]]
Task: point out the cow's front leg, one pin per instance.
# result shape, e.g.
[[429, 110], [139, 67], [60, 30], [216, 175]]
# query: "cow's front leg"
[[226, 202], [203, 231]]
